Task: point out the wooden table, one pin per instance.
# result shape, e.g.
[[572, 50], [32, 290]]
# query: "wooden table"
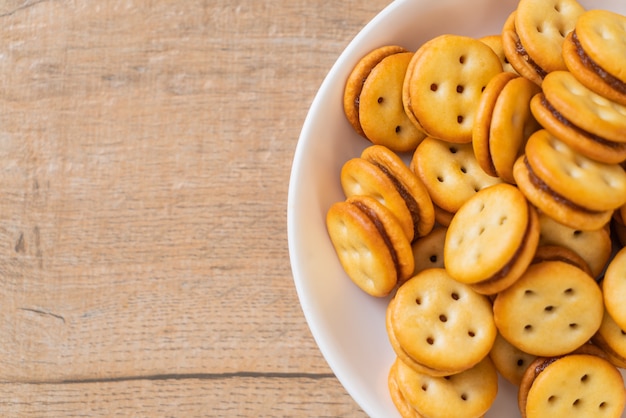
[[145, 150]]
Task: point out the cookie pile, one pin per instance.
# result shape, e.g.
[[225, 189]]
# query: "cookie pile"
[[503, 241]]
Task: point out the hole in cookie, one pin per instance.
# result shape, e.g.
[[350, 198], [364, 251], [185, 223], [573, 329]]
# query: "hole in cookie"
[[520, 362], [503, 220], [552, 398], [464, 396], [471, 333], [549, 308], [433, 258], [418, 301], [440, 179], [481, 231], [453, 150], [528, 327], [623, 332], [434, 87], [528, 292], [430, 340], [602, 405], [573, 325], [557, 7], [455, 296], [443, 318], [459, 89], [462, 59], [398, 129], [540, 29], [576, 402], [569, 291], [483, 88], [463, 170], [424, 387], [381, 100], [459, 119], [577, 233], [584, 378]]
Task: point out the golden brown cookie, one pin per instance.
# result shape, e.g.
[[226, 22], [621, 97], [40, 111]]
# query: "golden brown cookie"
[[542, 26], [614, 288], [468, 394], [444, 83], [381, 112], [559, 253], [404, 408], [428, 250], [495, 43], [510, 361], [503, 124], [455, 330], [492, 239], [371, 246], [551, 310], [409, 186], [594, 52], [358, 75], [575, 385], [594, 247], [611, 338], [582, 141], [569, 187], [450, 172], [516, 54]]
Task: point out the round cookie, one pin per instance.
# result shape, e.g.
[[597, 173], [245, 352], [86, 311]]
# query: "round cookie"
[[551, 310], [614, 288], [370, 244], [542, 26], [583, 142], [552, 204], [495, 43], [428, 250], [444, 83], [594, 247], [594, 52], [558, 253], [492, 239], [503, 124], [450, 172], [360, 177], [356, 78], [516, 55], [409, 186], [468, 394], [576, 385], [591, 112], [612, 340], [455, 330], [381, 112], [510, 361], [404, 408]]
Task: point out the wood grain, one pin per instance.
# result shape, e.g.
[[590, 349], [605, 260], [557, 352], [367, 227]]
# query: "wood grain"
[[146, 149]]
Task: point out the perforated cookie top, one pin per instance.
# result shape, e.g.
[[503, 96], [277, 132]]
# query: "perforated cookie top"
[[602, 35]]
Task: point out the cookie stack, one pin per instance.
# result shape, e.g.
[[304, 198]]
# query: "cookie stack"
[[491, 208]]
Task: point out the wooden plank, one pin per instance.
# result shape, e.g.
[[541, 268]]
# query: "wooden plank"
[[212, 396]]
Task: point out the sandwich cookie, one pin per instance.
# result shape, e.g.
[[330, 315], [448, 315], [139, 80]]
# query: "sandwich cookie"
[[444, 82], [370, 243], [558, 253], [588, 122], [541, 27], [408, 185], [503, 124], [492, 239], [575, 385], [594, 247], [551, 310], [450, 172], [440, 324], [569, 187], [595, 53], [510, 361], [468, 394], [614, 288]]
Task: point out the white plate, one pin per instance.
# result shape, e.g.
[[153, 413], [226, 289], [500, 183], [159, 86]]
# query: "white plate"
[[347, 324]]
